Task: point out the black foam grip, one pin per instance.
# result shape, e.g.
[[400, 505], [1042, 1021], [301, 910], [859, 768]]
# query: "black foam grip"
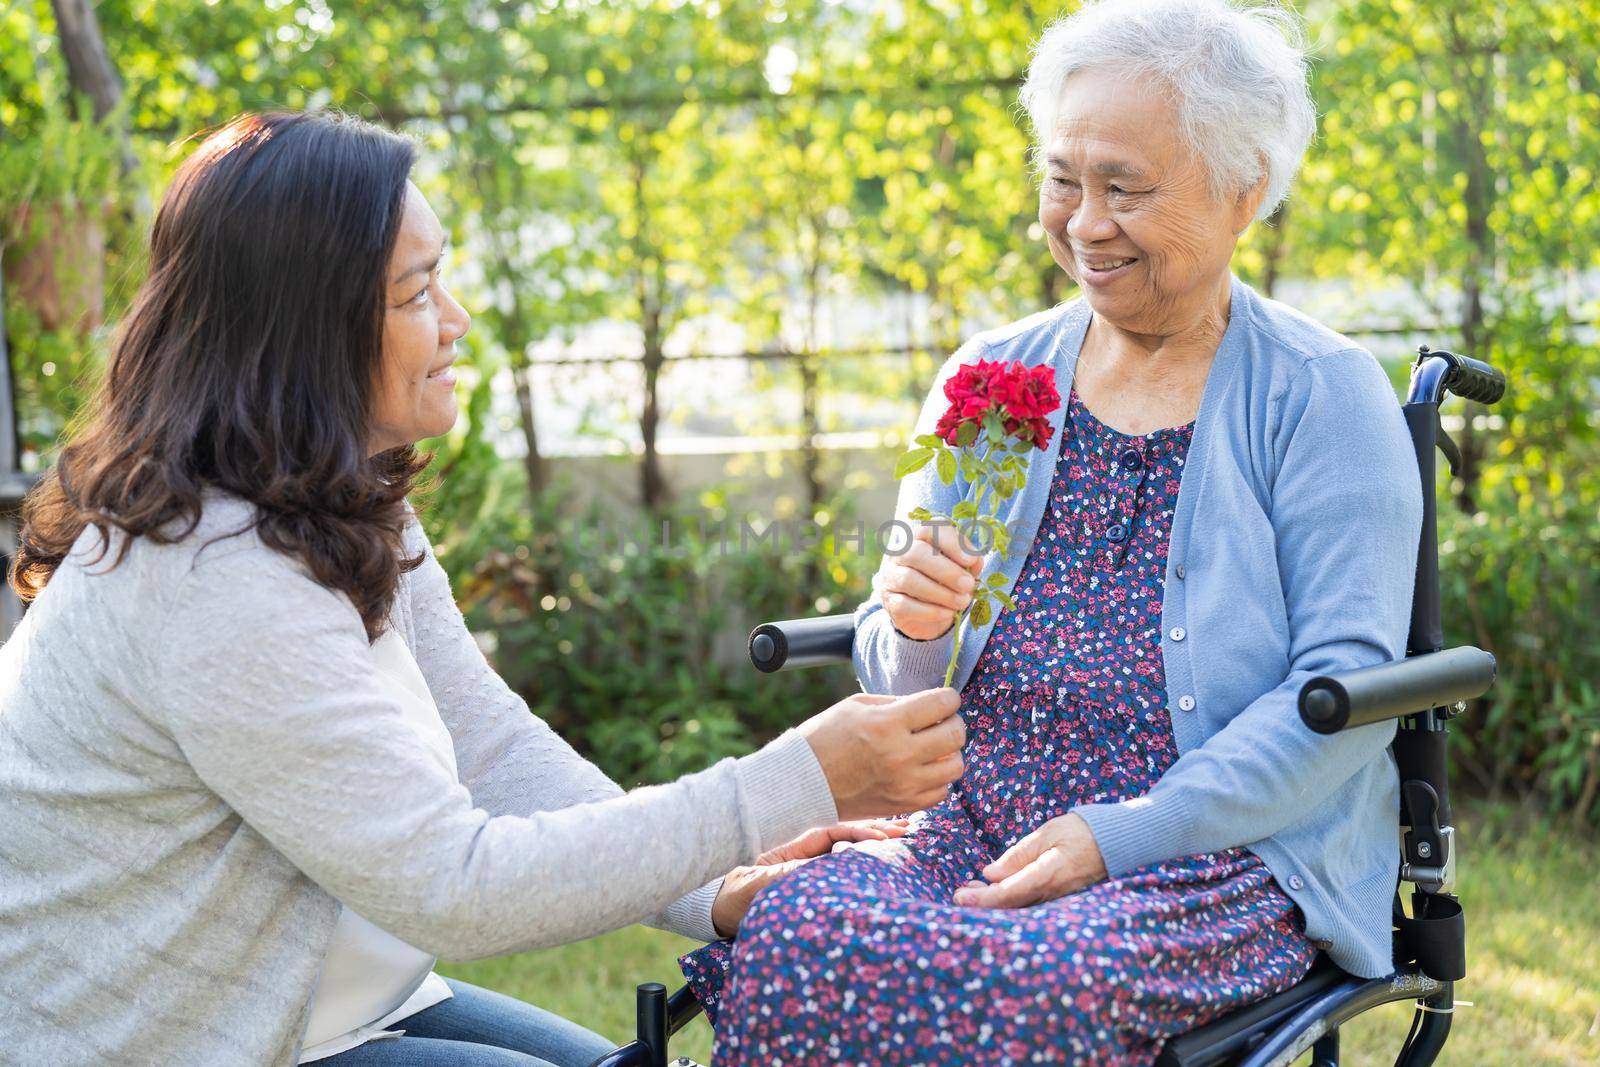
[[1473, 379], [794, 643], [1333, 702]]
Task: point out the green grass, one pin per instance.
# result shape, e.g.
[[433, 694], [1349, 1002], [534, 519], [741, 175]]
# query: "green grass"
[[1533, 959]]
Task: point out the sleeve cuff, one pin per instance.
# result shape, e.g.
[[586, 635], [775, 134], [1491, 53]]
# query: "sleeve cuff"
[[889, 661], [690, 914], [922, 659], [1136, 833], [786, 791]]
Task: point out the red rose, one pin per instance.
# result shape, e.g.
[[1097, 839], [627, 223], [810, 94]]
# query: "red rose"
[[949, 423], [1002, 409], [1021, 396], [972, 380], [1029, 392]]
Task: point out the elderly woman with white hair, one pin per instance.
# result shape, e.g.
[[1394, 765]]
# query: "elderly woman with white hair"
[[1145, 837]]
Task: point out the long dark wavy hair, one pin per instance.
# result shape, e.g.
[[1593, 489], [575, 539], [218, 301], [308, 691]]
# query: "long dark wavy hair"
[[248, 363]]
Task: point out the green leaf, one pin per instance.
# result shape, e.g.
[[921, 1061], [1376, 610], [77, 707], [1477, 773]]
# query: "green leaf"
[[964, 510], [928, 440], [1005, 598], [995, 429], [966, 433], [981, 612], [913, 460], [947, 467], [920, 514]]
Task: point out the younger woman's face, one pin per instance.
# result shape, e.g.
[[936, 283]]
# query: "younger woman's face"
[[415, 392]]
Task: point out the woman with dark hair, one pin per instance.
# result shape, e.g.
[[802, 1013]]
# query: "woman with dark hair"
[[255, 774]]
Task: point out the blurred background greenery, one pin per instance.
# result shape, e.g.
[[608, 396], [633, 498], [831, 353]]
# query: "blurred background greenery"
[[716, 250]]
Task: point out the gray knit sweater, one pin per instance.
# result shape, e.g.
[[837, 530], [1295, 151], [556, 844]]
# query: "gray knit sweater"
[[197, 763]]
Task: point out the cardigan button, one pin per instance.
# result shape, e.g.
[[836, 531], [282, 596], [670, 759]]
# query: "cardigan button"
[[1179, 633], [1131, 460], [1117, 532], [1179, 572], [1296, 882], [1186, 703]]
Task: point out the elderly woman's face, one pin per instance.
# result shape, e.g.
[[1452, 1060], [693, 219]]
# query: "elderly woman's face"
[[1127, 210]]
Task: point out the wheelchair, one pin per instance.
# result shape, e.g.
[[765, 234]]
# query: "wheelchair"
[[1423, 691]]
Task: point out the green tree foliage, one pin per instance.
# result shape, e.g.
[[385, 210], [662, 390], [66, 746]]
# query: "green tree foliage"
[[645, 163], [1456, 162]]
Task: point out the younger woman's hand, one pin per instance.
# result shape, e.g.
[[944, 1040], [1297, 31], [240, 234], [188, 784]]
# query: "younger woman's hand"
[[1058, 858], [741, 884], [883, 755], [825, 839]]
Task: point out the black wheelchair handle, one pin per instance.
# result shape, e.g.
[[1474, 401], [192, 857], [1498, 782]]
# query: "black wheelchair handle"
[[1333, 702], [795, 643], [1477, 380], [1468, 378]]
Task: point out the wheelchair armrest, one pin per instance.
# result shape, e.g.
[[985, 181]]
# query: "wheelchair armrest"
[[1333, 702], [795, 643]]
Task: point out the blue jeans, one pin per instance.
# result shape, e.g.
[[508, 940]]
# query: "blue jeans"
[[479, 1028]]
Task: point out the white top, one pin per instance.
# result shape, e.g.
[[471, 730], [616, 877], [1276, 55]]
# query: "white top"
[[371, 978]]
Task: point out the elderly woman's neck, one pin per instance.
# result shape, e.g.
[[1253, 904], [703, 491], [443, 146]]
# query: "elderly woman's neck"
[[1141, 379], [1188, 332]]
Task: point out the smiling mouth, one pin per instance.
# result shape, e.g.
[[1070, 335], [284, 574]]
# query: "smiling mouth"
[[442, 371], [1108, 265]]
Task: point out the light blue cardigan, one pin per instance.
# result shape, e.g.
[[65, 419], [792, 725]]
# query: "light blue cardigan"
[[1293, 552]]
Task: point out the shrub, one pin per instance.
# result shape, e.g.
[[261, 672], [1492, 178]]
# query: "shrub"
[[1521, 575], [633, 650]]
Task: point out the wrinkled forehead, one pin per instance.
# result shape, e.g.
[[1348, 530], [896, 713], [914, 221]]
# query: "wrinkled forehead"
[[1117, 124]]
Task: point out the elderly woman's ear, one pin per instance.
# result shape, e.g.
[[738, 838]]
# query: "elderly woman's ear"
[[1249, 202]]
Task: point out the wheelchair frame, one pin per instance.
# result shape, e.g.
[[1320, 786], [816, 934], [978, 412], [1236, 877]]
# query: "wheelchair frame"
[[1423, 691]]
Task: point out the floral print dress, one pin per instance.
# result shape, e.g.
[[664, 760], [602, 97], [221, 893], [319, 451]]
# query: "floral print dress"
[[861, 957]]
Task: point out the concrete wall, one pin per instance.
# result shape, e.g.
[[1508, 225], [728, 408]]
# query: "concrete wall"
[[763, 485]]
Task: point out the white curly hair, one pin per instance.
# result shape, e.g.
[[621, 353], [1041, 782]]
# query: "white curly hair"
[[1236, 71]]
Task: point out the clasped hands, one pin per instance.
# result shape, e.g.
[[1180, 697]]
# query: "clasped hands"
[[740, 885], [1058, 858]]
